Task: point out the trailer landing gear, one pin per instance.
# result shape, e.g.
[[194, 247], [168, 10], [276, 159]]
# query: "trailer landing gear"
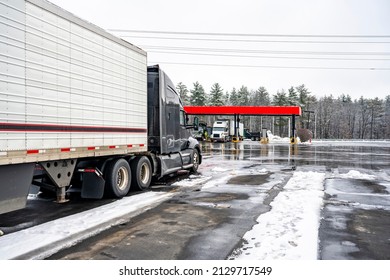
[[61, 195]]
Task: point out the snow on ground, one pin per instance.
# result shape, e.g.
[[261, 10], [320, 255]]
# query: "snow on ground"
[[277, 139], [64, 232], [354, 174], [290, 229]]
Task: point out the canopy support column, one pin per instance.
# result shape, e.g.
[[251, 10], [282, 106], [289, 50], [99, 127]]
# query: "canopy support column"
[[293, 138]]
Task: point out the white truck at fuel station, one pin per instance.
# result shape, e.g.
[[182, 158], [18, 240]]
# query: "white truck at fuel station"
[[227, 130]]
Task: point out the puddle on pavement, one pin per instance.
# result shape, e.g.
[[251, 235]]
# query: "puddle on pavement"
[[365, 193], [218, 198], [355, 186], [209, 200], [253, 179]]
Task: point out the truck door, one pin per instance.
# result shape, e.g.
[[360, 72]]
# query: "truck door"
[[184, 132], [175, 124]]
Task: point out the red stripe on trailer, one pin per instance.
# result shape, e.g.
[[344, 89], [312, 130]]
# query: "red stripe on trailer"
[[65, 150], [91, 148], [46, 128], [129, 146], [29, 152], [141, 145]]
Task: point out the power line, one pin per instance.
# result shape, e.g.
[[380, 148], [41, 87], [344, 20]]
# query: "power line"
[[273, 57], [267, 53], [273, 66], [262, 51], [247, 34], [255, 41]]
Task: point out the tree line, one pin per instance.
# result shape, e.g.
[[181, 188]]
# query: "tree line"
[[328, 117]]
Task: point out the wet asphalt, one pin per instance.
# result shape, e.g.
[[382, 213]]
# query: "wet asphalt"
[[199, 223], [194, 224]]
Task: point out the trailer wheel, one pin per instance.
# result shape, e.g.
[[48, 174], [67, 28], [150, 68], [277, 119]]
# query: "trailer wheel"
[[118, 178], [195, 161], [141, 173]]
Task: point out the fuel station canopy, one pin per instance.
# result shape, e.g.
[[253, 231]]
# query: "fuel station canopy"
[[249, 111], [244, 110]]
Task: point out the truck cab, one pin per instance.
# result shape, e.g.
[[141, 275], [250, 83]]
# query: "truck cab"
[[220, 131], [169, 136]]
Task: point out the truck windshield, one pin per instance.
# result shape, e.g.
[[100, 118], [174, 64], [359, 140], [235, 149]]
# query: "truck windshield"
[[218, 129]]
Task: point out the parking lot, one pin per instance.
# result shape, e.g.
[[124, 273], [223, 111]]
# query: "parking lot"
[[248, 201]]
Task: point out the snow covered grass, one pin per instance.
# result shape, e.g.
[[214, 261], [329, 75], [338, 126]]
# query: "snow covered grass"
[[290, 229]]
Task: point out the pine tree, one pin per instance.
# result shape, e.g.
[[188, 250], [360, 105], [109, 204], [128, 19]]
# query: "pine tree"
[[280, 99], [293, 99], [303, 94], [233, 97], [226, 98], [198, 95], [260, 97], [183, 93], [306, 100], [216, 95], [243, 96]]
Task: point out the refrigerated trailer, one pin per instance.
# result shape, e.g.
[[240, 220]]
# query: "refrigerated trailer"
[[80, 108]]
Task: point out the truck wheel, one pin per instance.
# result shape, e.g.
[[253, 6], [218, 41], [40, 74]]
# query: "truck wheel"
[[195, 161], [141, 173], [118, 178]]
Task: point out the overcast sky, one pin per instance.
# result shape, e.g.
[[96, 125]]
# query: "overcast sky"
[[210, 45]]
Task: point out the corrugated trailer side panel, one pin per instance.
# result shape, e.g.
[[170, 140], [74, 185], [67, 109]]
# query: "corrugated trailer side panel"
[[66, 84], [12, 70]]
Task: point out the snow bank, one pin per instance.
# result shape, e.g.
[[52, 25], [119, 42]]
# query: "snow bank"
[[290, 229], [276, 139], [354, 174], [53, 236]]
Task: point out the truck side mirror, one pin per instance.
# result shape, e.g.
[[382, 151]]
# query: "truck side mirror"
[[196, 123]]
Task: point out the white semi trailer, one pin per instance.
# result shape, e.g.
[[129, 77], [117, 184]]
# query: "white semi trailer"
[[79, 107], [236, 130], [227, 130]]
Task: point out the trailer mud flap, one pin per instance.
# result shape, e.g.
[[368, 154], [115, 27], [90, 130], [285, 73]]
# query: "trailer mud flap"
[[15, 181], [93, 184]]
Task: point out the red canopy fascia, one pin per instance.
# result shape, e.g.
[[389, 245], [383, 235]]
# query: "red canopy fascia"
[[244, 110]]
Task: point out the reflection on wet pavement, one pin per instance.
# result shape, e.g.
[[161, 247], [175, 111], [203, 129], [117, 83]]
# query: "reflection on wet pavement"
[[356, 213]]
